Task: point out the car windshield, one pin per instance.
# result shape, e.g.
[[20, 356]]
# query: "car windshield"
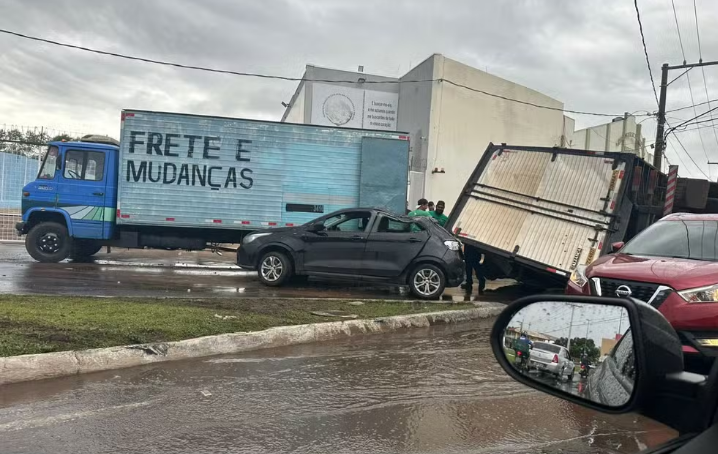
[[697, 240], [547, 347]]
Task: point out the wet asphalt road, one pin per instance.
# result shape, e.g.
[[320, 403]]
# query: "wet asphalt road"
[[433, 390], [154, 273]]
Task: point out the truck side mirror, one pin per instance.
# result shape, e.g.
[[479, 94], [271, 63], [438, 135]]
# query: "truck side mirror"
[[617, 246]]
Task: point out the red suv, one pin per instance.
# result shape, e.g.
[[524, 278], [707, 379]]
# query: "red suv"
[[672, 265]]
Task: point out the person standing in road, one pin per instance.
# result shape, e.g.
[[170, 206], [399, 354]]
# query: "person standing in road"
[[421, 209], [431, 207], [472, 259], [438, 213]]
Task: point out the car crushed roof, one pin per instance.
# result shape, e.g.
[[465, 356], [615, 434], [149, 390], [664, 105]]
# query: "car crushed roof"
[[691, 217]]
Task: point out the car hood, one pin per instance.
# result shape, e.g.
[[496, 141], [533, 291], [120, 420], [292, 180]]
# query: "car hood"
[[679, 274]]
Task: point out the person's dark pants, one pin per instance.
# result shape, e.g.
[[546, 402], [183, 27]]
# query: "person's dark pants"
[[475, 266]]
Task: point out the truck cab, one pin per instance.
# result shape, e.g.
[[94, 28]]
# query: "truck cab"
[[69, 210]]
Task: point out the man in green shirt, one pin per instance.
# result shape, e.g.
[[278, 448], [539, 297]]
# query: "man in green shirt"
[[420, 210], [438, 213]]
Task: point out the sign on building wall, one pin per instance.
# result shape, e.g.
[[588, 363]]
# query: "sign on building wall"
[[333, 105]]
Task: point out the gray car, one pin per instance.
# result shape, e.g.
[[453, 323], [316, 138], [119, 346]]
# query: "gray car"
[[553, 359]]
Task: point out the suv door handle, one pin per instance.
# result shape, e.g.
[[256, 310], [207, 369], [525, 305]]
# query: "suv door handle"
[[414, 240], [98, 193], [357, 238]]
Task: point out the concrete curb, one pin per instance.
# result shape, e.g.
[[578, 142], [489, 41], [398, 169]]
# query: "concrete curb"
[[15, 369]]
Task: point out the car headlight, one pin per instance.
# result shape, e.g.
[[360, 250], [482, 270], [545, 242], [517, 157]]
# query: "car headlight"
[[701, 295], [453, 245], [249, 238], [578, 276]]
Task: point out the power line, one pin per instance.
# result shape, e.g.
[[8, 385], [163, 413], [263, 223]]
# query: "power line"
[[645, 50], [688, 77], [690, 157], [692, 105], [297, 79], [703, 71]]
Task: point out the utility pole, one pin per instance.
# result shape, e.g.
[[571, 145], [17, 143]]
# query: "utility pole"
[[585, 342], [660, 130], [620, 322], [570, 326]]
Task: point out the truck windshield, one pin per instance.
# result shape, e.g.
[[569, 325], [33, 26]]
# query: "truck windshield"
[[49, 164], [696, 240]]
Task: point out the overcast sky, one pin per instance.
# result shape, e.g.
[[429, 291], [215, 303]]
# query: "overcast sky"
[[554, 319], [587, 54]]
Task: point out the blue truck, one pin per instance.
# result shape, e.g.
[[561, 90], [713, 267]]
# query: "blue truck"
[[177, 181]]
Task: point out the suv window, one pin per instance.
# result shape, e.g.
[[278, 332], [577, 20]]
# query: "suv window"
[[679, 239], [624, 357], [84, 165], [356, 221]]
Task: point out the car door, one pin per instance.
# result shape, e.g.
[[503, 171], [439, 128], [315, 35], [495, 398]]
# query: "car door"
[[340, 247], [81, 191], [392, 246]]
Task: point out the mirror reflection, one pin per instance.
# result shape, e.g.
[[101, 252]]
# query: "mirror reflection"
[[581, 349]]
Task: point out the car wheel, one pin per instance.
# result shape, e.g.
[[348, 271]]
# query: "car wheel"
[[274, 269], [48, 242], [427, 282]]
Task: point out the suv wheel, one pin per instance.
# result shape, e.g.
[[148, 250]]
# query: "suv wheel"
[[427, 282], [274, 269], [48, 242]]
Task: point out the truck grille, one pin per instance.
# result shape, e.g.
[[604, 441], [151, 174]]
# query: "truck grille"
[[639, 290]]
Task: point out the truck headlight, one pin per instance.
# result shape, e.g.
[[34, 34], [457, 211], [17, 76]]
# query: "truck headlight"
[[701, 294], [452, 245], [249, 238], [578, 276]]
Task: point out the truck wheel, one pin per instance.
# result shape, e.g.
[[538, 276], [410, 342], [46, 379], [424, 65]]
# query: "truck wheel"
[[274, 269], [427, 282], [48, 242], [83, 249]]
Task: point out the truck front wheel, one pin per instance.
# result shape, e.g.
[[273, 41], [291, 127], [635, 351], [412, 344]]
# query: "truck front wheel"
[[48, 242]]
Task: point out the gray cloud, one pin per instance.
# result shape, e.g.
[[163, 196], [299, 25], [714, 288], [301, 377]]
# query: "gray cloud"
[[586, 54]]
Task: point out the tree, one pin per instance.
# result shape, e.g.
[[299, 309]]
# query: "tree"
[[579, 346]]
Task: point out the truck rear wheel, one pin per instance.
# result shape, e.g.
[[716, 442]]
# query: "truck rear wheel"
[[84, 249], [48, 242]]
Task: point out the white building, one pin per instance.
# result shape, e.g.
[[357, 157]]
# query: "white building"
[[449, 124], [622, 134]]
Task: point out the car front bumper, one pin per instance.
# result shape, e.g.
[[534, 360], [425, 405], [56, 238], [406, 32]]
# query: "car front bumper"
[[247, 256], [455, 268]]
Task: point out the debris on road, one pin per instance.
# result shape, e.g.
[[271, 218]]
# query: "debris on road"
[[225, 317], [206, 393], [152, 349], [356, 303], [335, 314]]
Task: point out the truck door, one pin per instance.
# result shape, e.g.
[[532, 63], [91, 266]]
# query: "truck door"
[[82, 191]]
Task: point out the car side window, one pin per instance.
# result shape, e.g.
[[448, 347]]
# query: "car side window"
[[348, 222], [624, 357], [389, 225]]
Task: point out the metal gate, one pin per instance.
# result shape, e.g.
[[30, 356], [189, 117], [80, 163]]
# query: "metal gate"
[[15, 172]]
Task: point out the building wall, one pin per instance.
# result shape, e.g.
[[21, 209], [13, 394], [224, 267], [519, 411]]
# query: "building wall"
[[414, 118], [463, 123], [295, 112], [612, 137]]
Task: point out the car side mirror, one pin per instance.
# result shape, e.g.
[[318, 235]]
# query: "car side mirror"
[[317, 227], [643, 350], [617, 246]]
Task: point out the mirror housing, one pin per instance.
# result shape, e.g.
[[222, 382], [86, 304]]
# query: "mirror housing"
[[658, 358], [617, 246], [317, 227]]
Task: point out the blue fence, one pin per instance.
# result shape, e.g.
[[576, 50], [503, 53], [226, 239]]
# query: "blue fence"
[[15, 172]]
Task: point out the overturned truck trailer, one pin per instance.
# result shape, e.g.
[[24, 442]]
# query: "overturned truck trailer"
[[536, 213]]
